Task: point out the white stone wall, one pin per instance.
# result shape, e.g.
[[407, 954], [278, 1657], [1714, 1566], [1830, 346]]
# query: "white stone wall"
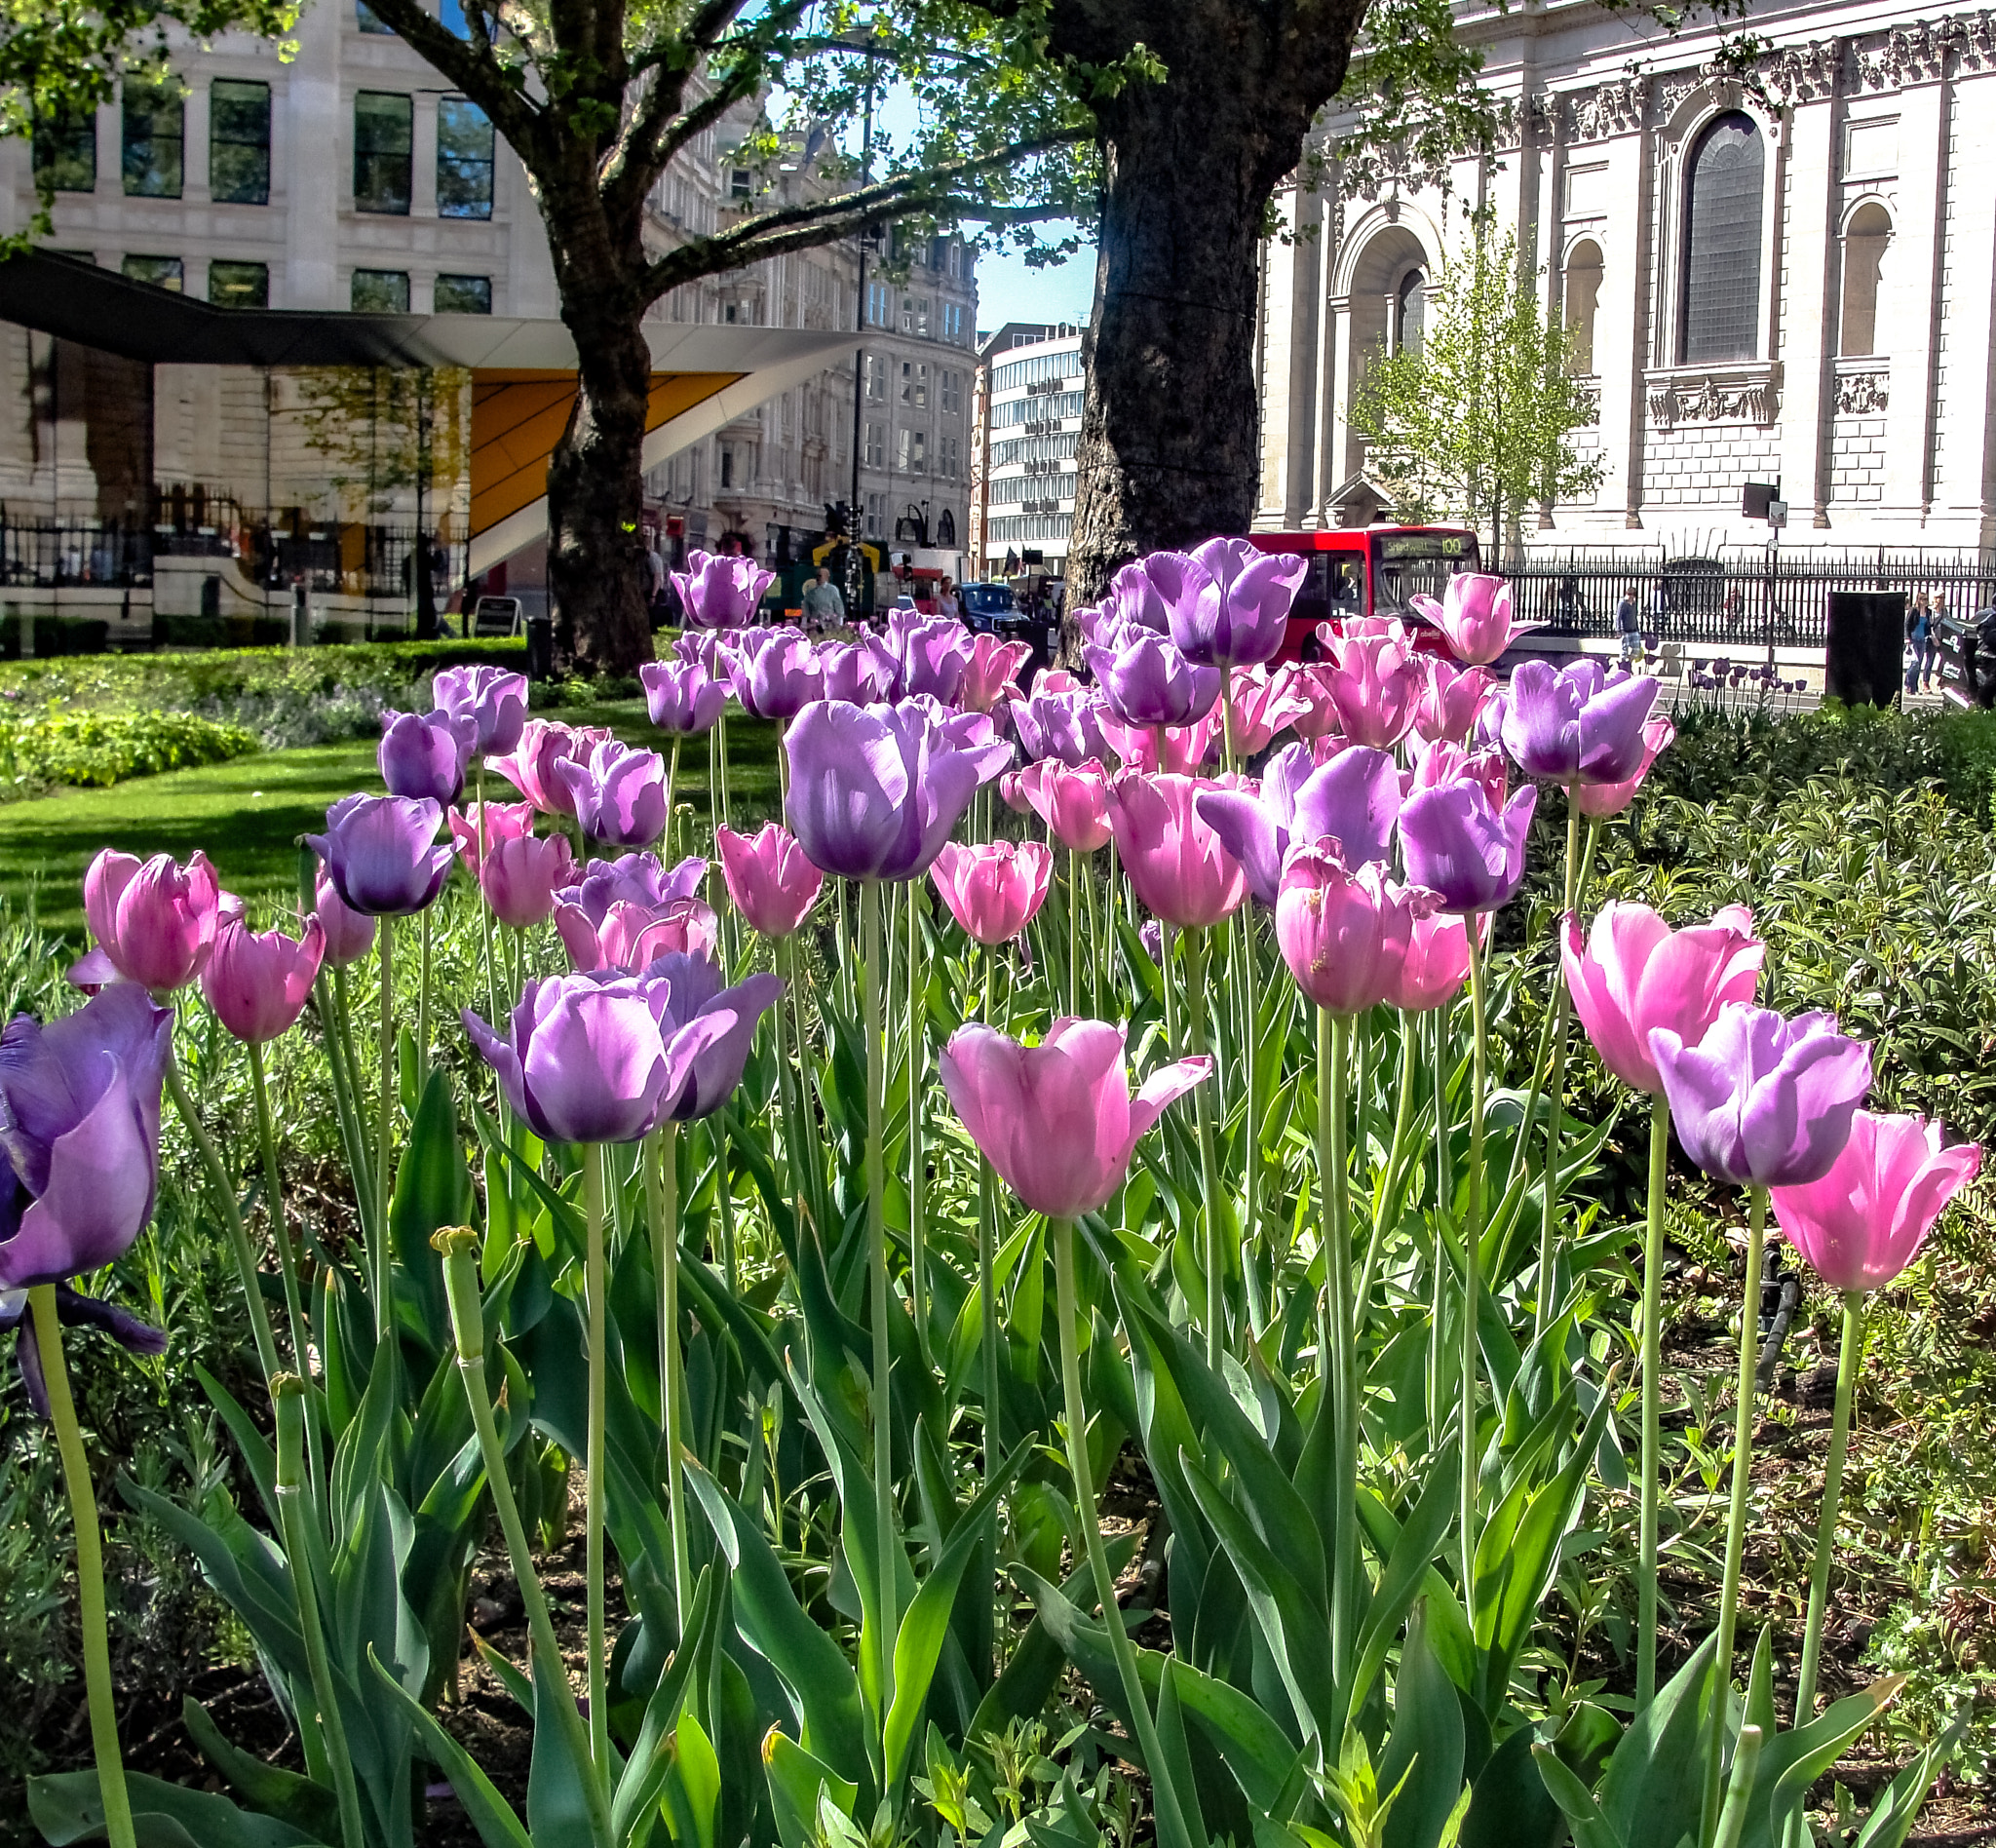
[[1860, 108]]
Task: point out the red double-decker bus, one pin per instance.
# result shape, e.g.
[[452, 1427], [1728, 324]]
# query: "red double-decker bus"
[[1369, 572]]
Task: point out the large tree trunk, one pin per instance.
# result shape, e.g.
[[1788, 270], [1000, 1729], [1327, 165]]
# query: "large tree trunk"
[[1169, 432], [595, 488]]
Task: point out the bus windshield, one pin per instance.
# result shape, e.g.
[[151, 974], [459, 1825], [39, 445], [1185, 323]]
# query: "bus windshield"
[[1407, 564]]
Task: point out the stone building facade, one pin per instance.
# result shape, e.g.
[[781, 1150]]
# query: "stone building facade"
[[1784, 279], [1029, 421]]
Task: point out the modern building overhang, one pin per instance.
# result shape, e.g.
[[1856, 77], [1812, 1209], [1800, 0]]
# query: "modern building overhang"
[[523, 370]]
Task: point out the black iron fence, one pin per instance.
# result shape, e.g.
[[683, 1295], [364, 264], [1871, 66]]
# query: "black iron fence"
[[333, 557], [1739, 599]]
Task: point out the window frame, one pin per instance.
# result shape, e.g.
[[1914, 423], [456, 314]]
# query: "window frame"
[[353, 282], [366, 154], [238, 264], [175, 264], [454, 277], [460, 166], [217, 141], [131, 103], [44, 147], [1696, 142]]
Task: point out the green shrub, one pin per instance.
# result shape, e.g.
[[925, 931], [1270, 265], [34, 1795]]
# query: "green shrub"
[[94, 749]]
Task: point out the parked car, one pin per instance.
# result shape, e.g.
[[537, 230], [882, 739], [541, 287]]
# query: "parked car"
[[991, 609]]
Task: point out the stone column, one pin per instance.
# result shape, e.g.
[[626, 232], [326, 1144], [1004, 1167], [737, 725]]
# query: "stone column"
[[1291, 288], [1967, 433], [315, 147], [1811, 255], [1910, 301]]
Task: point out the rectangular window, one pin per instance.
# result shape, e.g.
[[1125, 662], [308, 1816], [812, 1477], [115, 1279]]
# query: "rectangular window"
[[876, 446], [464, 160], [876, 516], [728, 480], [951, 384], [67, 153], [879, 305], [381, 291], [238, 285], [155, 122], [922, 316], [162, 272], [739, 181], [951, 459], [384, 138], [877, 378], [239, 143], [914, 383], [369, 21], [464, 295]]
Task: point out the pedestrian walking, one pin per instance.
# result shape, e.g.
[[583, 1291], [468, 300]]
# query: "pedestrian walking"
[[1919, 626], [824, 606], [1628, 627]]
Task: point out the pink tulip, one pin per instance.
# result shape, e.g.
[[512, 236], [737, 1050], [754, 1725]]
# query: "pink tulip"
[[258, 982], [1060, 680], [521, 875], [1058, 1120], [993, 673], [635, 936], [1344, 935], [771, 882], [1187, 749], [1636, 975], [349, 934], [1450, 699], [1309, 690], [1475, 614], [1602, 800], [1173, 858], [503, 821], [1443, 763], [1011, 787], [995, 890], [531, 766], [1073, 804], [1265, 701], [1436, 963], [1375, 684], [1864, 1221], [154, 923]]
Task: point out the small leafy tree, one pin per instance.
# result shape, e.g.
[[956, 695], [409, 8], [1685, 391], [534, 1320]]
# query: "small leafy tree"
[[1478, 419]]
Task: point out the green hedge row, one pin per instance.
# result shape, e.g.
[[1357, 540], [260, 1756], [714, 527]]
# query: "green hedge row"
[[89, 749]]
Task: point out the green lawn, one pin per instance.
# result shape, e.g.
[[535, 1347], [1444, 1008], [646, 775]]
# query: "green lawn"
[[247, 814]]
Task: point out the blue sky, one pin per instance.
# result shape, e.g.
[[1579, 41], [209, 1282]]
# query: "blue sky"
[[1007, 290]]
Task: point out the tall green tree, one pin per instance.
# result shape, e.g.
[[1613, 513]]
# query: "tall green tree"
[[1479, 420]]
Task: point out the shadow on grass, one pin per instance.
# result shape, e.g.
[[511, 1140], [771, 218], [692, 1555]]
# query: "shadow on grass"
[[247, 815]]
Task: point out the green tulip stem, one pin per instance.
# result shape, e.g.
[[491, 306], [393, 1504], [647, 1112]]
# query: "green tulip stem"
[[423, 997], [673, 782], [328, 995], [1740, 1789], [1247, 987], [1735, 1520], [384, 1130], [1074, 932], [781, 957], [1215, 1216], [987, 1261], [90, 1568], [1165, 1794], [662, 1189], [1652, 1394], [1094, 942], [288, 1394], [918, 1157], [1333, 1163], [595, 1288], [339, 1049], [1545, 1288], [1472, 1265], [1440, 1388], [876, 1244], [280, 1236], [1167, 940], [1849, 1360], [223, 1187], [1392, 1177], [492, 988], [459, 1247]]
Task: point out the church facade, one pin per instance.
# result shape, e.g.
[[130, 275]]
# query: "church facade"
[[1786, 278]]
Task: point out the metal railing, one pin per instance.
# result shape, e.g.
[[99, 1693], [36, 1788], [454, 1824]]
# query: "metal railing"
[[1740, 599]]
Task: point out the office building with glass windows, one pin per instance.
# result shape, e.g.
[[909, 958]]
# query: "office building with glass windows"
[[1030, 383]]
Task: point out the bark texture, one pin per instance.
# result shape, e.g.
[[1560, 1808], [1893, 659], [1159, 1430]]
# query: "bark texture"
[[1169, 453]]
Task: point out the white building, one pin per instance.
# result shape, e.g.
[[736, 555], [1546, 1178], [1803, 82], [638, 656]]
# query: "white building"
[[1789, 281], [1030, 409]]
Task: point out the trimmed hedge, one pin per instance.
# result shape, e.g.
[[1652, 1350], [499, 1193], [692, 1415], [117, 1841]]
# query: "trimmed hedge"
[[95, 750]]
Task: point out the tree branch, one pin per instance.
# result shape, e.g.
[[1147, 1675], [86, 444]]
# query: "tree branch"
[[478, 72]]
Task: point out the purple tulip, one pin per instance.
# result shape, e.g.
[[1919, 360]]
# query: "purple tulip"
[[874, 791], [380, 854], [1763, 1100], [80, 1133], [720, 593], [1237, 612], [715, 653], [493, 699], [1063, 726], [591, 1058], [633, 879], [683, 699], [862, 673], [72, 1311], [698, 995], [1581, 723], [975, 734], [1355, 798], [620, 794], [1458, 844], [778, 675], [1146, 680], [423, 754], [934, 655], [1140, 596]]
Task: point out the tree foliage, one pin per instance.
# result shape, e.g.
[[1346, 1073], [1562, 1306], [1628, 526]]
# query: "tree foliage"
[[1478, 419]]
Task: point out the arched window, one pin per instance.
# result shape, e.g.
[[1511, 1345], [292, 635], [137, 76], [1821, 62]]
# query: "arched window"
[[1410, 311], [1865, 247], [1582, 292], [1721, 299], [945, 528]]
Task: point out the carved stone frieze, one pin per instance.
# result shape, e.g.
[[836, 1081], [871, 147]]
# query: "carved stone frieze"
[[1862, 394], [1608, 109], [1802, 73], [1371, 174], [1720, 395]]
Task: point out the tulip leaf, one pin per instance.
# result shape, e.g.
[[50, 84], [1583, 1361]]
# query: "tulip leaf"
[[433, 1189], [1591, 1827], [1032, 1671], [1510, 1806], [1410, 1566], [1653, 1790], [1426, 1739], [69, 1808], [651, 1758], [1793, 1761], [1897, 1807], [699, 1785], [799, 1786], [490, 1814], [300, 1801]]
